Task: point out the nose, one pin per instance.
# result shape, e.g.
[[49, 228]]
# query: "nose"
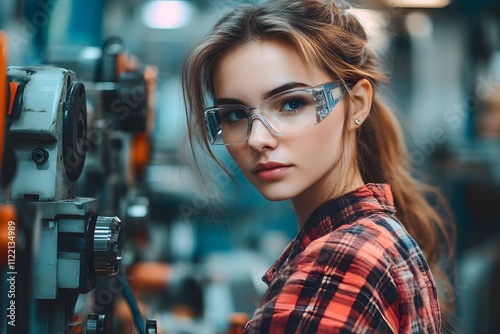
[[260, 136]]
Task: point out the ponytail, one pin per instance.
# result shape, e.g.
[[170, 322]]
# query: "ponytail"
[[382, 158]]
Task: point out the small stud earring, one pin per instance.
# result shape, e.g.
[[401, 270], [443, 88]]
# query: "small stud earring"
[[357, 122]]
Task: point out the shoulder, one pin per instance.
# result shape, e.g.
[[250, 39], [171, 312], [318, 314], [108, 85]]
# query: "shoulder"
[[378, 260], [340, 281], [372, 241], [371, 249]]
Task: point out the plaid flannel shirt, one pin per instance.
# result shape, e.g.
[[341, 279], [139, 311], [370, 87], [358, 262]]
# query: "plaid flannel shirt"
[[353, 268]]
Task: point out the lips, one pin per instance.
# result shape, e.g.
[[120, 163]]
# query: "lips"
[[271, 170]]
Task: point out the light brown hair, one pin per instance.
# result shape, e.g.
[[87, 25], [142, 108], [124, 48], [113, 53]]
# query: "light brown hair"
[[326, 36]]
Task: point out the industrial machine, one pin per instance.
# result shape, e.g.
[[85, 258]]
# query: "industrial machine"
[[119, 92], [73, 244], [65, 243]]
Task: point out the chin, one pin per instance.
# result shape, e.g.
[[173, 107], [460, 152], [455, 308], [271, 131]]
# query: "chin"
[[275, 197], [276, 193]]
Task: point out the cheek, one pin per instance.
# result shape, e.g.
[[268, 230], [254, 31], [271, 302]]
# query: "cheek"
[[320, 143], [317, 148], [238, 153]]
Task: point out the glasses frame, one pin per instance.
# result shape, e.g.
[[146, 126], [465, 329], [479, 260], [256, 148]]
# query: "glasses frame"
[[323, 97]]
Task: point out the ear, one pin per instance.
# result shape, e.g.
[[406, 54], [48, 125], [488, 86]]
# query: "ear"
[[361, 103]]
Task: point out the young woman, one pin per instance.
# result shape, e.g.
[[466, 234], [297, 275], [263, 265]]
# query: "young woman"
[[291, 88]]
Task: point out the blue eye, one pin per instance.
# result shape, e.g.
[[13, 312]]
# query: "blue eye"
[[233, 115], [292, 105]]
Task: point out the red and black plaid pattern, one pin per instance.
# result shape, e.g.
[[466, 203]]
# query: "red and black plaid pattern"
[[353, 268]]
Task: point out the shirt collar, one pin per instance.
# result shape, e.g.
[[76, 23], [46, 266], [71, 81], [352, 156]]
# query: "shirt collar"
[[332, 214]]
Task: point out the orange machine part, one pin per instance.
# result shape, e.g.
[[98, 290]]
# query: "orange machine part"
[[237, 322], [149, 276], [13, 91], [140, 149], [125, 63], [140, 152]]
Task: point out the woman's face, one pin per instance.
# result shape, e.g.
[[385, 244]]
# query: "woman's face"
[[288, 166]]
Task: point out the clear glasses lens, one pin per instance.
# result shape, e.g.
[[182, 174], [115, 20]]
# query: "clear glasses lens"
[[232, 125], [291, 111], [286, 113]]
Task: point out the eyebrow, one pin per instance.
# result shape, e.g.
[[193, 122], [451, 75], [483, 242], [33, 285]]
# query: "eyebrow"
[[266, 95]]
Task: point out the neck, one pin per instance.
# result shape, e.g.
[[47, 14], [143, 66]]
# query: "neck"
[[325, 189]]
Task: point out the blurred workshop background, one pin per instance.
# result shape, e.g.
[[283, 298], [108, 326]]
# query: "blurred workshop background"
[[192, 266]]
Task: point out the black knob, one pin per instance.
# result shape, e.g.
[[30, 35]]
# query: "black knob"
[[151, 326], [39, 156], [96, 324]]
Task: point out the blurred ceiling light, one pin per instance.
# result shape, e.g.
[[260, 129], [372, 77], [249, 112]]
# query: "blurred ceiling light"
[[91, 52], [137, 211], [419, 24], [166, 14], [418, 3], [375, 23]]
